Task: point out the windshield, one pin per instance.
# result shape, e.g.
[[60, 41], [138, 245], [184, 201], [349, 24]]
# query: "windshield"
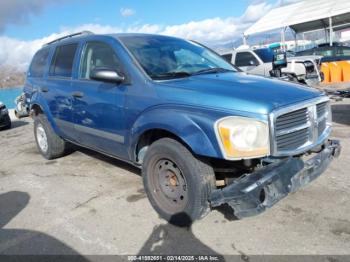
[[265, 54], [164, 57]]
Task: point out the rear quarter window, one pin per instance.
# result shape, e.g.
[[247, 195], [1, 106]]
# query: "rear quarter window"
[[37, 67], [62, 62], [227, 57]]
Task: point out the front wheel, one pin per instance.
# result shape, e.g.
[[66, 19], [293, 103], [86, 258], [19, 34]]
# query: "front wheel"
[[177, 184]]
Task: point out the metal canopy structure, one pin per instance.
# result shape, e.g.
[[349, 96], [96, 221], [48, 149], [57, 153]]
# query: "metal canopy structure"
[[305, 16]]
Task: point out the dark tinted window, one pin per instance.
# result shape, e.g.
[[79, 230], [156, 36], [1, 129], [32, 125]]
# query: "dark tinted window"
[[265, 54], [227, 57], [62, 62], [245, 59], [98, 55], [343, 51], [37, 67], [325, 51]]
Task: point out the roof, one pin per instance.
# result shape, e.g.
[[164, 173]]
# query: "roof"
[[304, 16]]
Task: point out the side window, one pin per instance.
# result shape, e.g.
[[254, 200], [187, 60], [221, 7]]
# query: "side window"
[[245, 59], [98, 55], [62, 63], [37, 67], [227, 57]]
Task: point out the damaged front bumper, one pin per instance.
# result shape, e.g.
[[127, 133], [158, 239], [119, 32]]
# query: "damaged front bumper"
[[253, 193]]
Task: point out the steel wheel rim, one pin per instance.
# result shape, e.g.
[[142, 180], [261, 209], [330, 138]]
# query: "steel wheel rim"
[[169, 185], [41, 138]]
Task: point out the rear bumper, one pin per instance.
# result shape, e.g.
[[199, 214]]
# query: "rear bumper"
[[252, 194]]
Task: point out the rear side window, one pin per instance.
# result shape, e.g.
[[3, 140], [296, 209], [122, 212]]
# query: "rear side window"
[[37, 67], [62, 63], [245, 59]]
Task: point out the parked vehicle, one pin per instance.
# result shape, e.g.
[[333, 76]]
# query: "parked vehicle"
[[336, 52], [203, 133], [300, 69], [5, 120]]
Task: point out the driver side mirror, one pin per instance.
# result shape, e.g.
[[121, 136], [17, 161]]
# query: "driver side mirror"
[[106, 75]]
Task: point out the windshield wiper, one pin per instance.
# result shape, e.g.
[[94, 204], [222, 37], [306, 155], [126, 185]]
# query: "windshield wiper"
[[174, 74], [212, 71]]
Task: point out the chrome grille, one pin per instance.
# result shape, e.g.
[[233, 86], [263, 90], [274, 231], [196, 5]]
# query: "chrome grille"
[[292, 140], [322, 116], [292, 119], [299, 127]]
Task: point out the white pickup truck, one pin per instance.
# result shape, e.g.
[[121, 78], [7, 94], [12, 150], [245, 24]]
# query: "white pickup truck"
[[305, 69]]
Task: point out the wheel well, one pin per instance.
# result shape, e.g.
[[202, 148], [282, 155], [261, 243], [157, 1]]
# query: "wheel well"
[[36, 110], [150, 136]]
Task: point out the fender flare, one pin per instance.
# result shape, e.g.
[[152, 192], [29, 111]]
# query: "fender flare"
[[194, 130]]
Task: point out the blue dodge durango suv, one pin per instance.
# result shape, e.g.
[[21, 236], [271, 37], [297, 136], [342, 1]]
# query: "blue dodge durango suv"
[[203, 133]]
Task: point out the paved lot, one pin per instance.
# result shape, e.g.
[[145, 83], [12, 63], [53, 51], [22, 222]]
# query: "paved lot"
[[87, 203]]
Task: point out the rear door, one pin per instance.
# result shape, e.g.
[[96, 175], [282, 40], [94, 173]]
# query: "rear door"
[[58, 88], [35, 77], [99, 113]]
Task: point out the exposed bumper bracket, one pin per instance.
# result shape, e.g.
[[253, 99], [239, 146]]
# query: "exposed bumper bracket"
[[253, 193]]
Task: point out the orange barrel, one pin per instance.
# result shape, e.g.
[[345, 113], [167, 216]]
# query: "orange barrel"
[[326, 72], [345, 66], [335, 72]]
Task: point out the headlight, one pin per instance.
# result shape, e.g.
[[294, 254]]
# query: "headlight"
[[242, 138]]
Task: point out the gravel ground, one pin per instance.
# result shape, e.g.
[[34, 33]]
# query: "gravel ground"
[[89, 204]]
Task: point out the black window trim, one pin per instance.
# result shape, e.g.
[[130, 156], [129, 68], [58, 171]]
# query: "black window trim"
[[53, 61]]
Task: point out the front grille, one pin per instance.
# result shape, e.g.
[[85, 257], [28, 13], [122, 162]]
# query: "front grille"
[[292, 140], [300, 127], [321, 109], [292, 119], [322, 116]]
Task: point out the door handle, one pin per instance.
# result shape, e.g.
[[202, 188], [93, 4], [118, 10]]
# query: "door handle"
[[78, 94], [44, 89]]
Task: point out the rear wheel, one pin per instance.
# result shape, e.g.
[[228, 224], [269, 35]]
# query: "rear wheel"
[[50, 145], [177, 184]]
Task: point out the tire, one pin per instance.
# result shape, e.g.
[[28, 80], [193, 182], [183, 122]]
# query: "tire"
[[55, 146], [183, 199], [9, 123], [8, 126]]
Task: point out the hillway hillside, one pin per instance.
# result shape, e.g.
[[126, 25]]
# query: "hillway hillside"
[[10, 77]]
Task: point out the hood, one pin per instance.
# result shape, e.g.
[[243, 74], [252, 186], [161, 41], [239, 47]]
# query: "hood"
[[235, 91]]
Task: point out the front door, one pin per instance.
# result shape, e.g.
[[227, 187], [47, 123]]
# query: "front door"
[[98, 107]]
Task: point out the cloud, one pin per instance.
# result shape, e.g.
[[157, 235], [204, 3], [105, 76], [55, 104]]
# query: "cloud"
[[19, 11], [126, 12], [212, 32], [255, 11]]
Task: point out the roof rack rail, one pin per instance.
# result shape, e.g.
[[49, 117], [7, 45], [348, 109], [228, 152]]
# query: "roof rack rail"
[[68, 36]]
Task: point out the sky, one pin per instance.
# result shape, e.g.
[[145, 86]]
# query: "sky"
[[25, 25]]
